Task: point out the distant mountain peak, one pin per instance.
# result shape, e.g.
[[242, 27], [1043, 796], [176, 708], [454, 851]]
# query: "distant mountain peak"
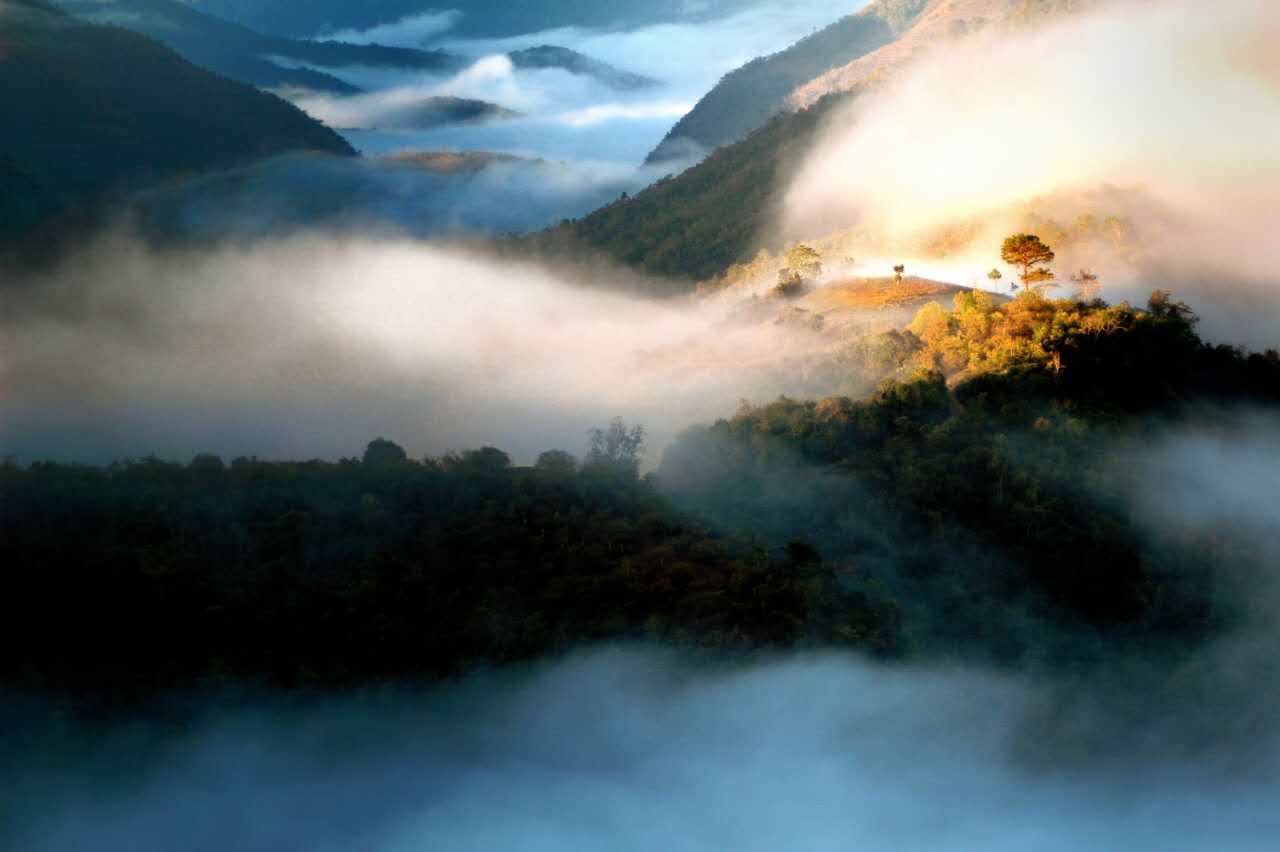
[[552, 56]]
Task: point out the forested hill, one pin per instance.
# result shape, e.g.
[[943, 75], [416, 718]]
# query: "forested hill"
[[242, 54], [692, 226], [96, 110], [979, 505], [745, 98]]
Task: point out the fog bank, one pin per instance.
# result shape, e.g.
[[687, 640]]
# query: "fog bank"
[[313, 345], [639, 750]]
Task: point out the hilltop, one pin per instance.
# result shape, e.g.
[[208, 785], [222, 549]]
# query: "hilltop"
[[550, 56]]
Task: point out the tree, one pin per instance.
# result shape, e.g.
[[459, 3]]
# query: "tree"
[[382, 453], [805, 260], [1028, 253], [616, 447], [994, 276], [1161, 304], [1087, 286], [790, 284], [897, 273], [556, 464]]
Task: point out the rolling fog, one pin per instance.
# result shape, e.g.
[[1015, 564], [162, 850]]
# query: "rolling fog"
[[313, 345], [640, 748], [633, 749], [303, 192]]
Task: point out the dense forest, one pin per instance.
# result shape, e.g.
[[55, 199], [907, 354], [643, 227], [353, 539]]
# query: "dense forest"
[[105, 110], [972, 507], [148, 574], [987, 482]]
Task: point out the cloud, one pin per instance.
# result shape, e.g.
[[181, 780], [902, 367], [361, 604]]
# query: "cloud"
[[607, 112], [1173, 104], [312, 345], [641, 750], [296, 192]]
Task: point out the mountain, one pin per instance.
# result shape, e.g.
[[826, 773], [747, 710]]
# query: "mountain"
[[939, 22], [692, 226], [457, 162], [745, 99], [242, 54], [427, 113], [548, 56], [97, 110], [466, 18]]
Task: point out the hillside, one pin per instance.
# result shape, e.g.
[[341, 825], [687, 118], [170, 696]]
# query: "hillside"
[[693, 225], [940, 21], [106, 110], [966, 509], [745, 99], [242, 54]]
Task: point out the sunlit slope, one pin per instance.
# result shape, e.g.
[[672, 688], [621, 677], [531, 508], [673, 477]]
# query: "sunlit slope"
[[745, 98], [95, 110], [940, 22]]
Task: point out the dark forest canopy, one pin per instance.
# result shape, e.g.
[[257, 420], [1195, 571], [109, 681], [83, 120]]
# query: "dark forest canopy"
[[973, 507], [147, 574]]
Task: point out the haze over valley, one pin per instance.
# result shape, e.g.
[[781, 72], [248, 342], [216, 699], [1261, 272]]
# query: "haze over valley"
[[733, 424]]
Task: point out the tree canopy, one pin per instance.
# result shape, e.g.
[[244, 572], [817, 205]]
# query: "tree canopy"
[[1031, 256]]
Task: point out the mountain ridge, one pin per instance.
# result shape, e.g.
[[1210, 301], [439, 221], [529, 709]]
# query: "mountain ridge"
[[745, 98], [108, 111]]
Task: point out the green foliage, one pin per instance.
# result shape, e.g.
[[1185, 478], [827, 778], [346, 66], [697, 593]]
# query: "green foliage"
[[617, 448], [805, 261], [995, 509], [1031, 255], [790, 285], [145, 574], [382, 453]]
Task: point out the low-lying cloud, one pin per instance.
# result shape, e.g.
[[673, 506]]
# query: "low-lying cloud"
[[483, 195], [641, 750], [314, 344]]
